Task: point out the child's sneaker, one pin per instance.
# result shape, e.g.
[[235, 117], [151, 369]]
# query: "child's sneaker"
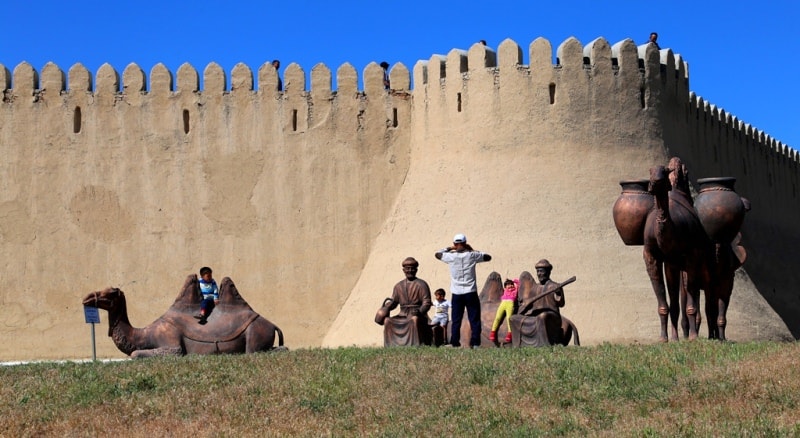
[[508, 338], [493, 336]]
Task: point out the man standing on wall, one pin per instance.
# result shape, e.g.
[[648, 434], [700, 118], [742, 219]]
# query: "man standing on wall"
[[463, 288], [277, 64], [654, 40], [385, 67]]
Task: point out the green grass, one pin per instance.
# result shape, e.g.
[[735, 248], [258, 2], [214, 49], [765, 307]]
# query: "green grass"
[[697, 388]]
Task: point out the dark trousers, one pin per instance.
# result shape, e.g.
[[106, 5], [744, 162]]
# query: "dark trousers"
[[472, 303], [207, 305]]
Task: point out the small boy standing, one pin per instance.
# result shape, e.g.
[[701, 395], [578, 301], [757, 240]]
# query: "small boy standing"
[[210, 293], [441, 309]]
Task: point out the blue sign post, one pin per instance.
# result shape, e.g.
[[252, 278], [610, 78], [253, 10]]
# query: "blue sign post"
[[92, 316]]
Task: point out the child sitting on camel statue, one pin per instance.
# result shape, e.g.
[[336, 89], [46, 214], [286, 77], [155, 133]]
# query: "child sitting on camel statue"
[[210, 292]]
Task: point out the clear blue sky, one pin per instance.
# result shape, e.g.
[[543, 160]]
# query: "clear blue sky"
[[742, 55]]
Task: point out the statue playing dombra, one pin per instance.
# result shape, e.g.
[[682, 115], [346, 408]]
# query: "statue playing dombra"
[[538, 321]]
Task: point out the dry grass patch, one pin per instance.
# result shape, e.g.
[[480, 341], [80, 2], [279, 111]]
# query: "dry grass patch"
[[687, 389]]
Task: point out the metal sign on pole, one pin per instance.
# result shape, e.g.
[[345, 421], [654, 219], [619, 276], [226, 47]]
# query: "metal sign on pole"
[[92, 316]]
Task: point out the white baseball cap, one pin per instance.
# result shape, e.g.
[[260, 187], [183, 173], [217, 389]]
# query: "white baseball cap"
[[460, 238]]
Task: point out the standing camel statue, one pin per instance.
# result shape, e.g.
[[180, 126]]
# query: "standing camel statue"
[[692, 244], [232, 327], [674, 243]]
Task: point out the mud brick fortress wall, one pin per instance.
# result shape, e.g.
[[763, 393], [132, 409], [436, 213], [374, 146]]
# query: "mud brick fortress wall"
[[309, 197]]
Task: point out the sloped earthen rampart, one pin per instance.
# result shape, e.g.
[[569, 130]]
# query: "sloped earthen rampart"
[[309, 199]]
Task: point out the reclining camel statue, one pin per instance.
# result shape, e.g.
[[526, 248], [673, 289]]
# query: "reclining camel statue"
[[232, 327]]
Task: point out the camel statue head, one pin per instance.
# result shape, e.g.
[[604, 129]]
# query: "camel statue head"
[[106, 299], [659, 180], [679, 175]]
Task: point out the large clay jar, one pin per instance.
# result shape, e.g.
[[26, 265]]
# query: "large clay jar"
[[720, 208], [631, 209]]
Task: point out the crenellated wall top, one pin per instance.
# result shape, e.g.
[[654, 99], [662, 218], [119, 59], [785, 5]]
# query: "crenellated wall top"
[[623, 59], [215, 79]]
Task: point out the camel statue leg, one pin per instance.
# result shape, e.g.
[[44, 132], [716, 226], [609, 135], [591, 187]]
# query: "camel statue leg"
[[726, 264], [698, 317], [692, 301], [712, 312], [654, 271], [684, 318], [723, 299], [673, 278]]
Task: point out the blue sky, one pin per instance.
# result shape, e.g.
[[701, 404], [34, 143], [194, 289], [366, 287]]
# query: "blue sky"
[[742, 54]]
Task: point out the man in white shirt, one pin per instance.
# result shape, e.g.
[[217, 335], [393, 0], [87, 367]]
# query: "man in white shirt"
[[463, 288]]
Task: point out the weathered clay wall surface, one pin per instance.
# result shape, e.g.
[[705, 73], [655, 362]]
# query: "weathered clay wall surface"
[[527, 161], [309, 199], [137, 189]]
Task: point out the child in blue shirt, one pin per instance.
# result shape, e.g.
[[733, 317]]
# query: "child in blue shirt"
[[210, 292]]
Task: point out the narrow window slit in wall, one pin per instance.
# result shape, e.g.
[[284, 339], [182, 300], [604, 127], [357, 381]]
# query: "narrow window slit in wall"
[[185, 121], [394, 117], [458, 101], [641, 97], [294, 120], [552, 93], [76, 120]]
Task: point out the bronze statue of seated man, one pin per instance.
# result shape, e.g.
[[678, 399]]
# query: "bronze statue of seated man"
[[538, 321], [410, 326]]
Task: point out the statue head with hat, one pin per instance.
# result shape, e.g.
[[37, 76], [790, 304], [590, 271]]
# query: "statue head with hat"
[[410, 266], [543, 269]]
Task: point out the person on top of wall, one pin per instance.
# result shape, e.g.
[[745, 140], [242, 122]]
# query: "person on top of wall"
[[277, 64], [654, 39], [385, 67]]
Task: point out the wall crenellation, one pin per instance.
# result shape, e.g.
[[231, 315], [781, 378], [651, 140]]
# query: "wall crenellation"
[[596, 55], [625, 61]]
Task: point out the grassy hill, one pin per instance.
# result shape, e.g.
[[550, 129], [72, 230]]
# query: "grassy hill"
[[698, 388]]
